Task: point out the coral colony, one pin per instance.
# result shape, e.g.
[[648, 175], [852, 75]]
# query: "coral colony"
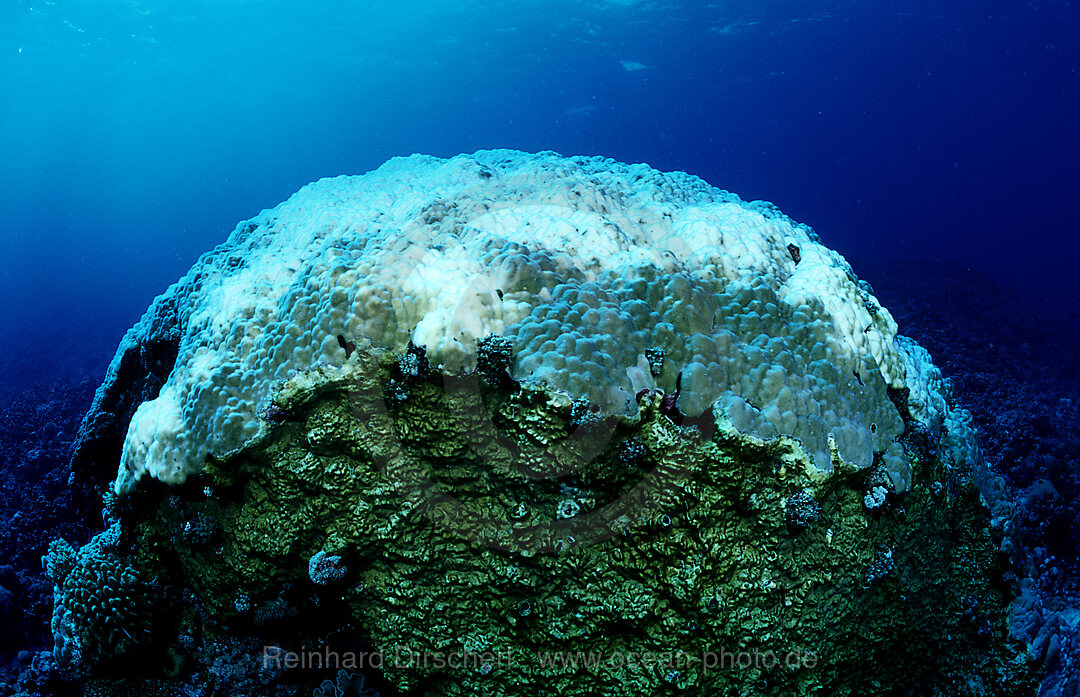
[[558, 426]]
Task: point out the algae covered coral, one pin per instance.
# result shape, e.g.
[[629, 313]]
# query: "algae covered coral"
[[512, 424]]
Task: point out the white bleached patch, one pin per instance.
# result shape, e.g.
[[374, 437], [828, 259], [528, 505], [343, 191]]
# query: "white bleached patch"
[[583, 263]]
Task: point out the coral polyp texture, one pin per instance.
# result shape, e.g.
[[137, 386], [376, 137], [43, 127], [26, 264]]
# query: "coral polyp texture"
[[534, 412], [586, 265]]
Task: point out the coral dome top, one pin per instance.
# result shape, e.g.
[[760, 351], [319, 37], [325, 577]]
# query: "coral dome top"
[[606, 278]]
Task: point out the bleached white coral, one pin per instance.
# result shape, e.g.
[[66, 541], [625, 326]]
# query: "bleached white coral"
[[932, 404], [584, 264]]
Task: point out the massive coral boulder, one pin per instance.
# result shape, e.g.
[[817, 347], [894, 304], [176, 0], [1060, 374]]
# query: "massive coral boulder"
[[528, 410], [585, 265]]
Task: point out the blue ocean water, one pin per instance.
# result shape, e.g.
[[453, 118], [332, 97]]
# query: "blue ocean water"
[[934, 144], [136, 134]]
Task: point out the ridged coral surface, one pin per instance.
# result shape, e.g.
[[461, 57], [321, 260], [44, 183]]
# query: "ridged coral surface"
[[478, 519], [588, 266]]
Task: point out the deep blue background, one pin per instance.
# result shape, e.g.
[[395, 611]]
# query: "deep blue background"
[[135, 134]]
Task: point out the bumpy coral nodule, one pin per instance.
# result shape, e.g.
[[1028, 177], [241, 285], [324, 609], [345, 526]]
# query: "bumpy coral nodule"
[[102, 606]]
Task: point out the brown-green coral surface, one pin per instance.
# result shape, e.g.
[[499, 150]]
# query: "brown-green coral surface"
[[546, 550]]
